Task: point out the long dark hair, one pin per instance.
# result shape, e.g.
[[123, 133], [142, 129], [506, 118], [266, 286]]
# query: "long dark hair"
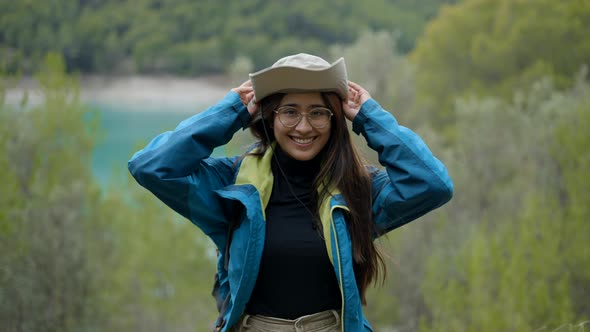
[[342, 168]]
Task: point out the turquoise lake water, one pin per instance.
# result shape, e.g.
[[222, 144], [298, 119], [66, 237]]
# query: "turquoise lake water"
[[126, 130]]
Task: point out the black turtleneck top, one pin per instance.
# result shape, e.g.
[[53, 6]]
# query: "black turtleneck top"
[[296, 277]]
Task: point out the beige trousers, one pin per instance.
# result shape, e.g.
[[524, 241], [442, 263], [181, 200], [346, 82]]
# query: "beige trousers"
[[325, 321]]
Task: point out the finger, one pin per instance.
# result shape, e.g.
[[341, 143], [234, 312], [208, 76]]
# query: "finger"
[[246, 89], [245, 97], [356, 97], [357, 88], [354, 85], [250, 96], [351, 93], [351, 90]]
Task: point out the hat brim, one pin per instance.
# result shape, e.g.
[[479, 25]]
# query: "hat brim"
[[286, 79]]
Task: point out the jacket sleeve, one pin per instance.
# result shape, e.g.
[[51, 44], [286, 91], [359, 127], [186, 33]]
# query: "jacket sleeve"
[[414, 181], [175, 166]]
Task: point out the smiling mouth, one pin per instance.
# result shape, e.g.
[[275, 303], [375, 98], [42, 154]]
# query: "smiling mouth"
[[302, 140]]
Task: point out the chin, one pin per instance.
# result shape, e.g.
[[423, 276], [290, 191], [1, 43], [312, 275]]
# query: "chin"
[[303, 156]]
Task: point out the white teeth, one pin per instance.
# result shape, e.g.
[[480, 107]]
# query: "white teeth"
[[302, 140]]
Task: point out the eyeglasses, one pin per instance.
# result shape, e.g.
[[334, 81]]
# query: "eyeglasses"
[[318, 117]]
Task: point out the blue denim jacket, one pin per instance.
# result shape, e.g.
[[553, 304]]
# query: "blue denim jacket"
[[176, 167]]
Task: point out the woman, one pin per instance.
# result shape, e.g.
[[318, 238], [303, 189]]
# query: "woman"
[[295, 217]]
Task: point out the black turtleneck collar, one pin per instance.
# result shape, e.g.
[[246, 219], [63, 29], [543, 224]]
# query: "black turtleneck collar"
[[292, 167]]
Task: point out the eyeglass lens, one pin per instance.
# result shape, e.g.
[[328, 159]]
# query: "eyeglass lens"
[[317, 117]]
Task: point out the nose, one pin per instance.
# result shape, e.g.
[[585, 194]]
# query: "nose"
[[304, 125]]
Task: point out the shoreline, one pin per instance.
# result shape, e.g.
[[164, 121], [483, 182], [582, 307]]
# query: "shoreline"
[[145, 92]]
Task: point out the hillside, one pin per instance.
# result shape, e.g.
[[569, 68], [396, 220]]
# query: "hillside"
[[187, 37]]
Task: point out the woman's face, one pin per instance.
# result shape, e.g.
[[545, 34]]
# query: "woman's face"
[[301, 142]]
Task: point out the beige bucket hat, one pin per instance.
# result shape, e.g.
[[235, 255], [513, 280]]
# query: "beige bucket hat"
[[299, 73]]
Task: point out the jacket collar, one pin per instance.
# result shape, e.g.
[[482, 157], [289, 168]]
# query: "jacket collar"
[[257, 172]]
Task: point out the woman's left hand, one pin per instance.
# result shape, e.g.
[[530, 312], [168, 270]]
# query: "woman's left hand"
[[357, 96]]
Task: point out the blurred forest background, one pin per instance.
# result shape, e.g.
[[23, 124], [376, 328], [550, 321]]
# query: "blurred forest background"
[[497, 88]]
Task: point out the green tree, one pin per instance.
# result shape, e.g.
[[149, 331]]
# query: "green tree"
[[160, 267], [31, 29], [517, 259], [47, 201], [492, 48], [384, 72], [571, 149], [508, 276], [75, 258], [193, 37]]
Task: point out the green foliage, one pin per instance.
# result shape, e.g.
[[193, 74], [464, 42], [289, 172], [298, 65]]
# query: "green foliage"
[[571, 149], [192, 37], [521, 262], [239, 69], [160, 267], [78, 259], [492, 48], [383, 71], [46, 201], [507, 277]]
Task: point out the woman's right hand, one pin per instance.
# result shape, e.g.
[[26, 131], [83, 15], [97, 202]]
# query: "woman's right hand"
[[246, 92]]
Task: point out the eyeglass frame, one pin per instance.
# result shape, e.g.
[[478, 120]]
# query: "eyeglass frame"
[[301, 115]]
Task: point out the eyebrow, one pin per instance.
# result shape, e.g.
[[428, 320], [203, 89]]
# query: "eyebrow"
[[308, 106]]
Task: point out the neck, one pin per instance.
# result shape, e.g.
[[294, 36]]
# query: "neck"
[[293, 167]]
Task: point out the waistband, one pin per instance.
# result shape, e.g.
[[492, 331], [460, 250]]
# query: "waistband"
[[324, 319]]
